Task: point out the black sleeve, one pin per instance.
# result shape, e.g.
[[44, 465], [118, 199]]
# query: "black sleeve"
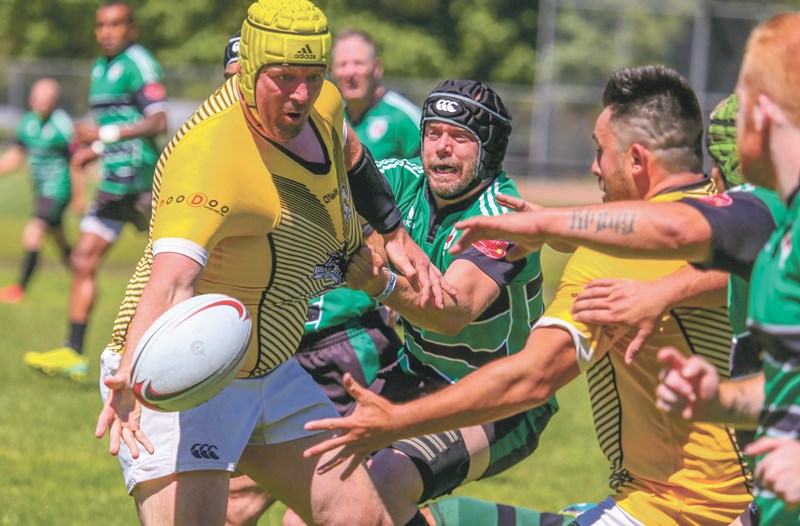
[[740, 224], [149, 94], [372, 195], [496, 266]]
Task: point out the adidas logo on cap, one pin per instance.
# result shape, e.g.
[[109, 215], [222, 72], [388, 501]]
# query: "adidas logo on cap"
[[305, 53], [446, 106]]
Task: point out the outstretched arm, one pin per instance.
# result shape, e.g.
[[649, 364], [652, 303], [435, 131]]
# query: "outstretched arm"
[[171, 281], [374, 200], [150, 126], [12, 159], [624, 229], [496, 390], [474, 291]]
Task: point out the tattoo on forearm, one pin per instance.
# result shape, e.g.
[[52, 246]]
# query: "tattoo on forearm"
[[621, 223]]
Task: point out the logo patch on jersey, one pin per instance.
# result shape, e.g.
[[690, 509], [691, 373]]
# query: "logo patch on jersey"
[[449, 241], [786, 249], [333, 269], [196, 200], [493, 248], [32, 127], [377, 128], [154, 91], [48, 132], [718, 200], [114, 72]]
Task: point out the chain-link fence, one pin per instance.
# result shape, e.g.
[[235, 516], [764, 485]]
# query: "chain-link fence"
[[579, 43]]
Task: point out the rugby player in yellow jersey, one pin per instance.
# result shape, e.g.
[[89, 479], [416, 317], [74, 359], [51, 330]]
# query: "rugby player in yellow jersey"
[[251, 198], [663, 470]]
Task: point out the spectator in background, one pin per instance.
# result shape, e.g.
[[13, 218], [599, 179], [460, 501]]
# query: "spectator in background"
[[43, 137], [385, 121], [128, 101]]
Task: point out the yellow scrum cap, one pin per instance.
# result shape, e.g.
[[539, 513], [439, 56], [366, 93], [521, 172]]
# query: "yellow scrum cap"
[[281, 32]]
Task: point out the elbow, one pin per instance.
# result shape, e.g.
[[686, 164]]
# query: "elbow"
[[538, 393], [690, 234], [452, 325]]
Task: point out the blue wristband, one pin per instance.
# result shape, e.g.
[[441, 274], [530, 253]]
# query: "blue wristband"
[[388, 289]]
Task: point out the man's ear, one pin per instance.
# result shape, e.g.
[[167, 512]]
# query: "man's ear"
[[638, 158], [378, 68]]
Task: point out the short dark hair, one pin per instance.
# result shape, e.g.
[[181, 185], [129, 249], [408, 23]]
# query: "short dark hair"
[[656, 107]]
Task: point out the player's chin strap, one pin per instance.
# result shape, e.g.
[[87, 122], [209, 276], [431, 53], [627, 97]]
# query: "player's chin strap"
[[372, 195]]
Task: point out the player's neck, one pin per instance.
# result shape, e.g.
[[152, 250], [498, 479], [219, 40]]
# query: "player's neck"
[[671, 181]]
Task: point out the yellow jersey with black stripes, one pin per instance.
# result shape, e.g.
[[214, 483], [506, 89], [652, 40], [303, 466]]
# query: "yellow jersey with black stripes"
[[269, 228], [664, 470]]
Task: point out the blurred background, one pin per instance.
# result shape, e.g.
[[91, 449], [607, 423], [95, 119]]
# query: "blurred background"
[[549, 59]]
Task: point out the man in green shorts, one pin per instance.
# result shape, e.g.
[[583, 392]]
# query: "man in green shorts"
[[128, 101], [43, 139], [459, 175]]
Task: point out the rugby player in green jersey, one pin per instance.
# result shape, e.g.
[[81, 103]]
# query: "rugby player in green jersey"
[[43, 138], [128, 103], [459, 174], [768, 132]]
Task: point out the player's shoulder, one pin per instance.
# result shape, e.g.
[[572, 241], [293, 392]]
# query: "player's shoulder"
[[26, 117], [62, 121], [407, 167], [487, 204], [401, 107], [140, 61], [753, 192]]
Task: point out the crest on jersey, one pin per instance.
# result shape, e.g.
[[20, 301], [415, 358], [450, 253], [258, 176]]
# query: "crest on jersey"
[[114, 72], [493, 248], [450, 237], [333, 269], [718, 200], [786, 249], [377, 128]]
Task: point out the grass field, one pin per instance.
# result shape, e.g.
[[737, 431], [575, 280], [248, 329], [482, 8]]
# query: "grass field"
[[54, 472]]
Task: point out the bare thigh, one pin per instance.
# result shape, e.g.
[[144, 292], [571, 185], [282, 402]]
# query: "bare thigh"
[[325, 499], [193, 497]]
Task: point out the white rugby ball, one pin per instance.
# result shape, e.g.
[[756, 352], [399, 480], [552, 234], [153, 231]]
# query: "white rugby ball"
[[191, 352]]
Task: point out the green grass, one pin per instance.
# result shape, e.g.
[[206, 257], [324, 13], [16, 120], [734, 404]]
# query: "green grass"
[[55, 472]]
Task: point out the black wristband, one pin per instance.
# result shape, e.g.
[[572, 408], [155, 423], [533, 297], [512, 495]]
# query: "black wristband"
[[372, 194]]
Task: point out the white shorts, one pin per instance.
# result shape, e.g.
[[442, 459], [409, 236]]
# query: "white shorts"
[[606, 513], [258, 411], [108, 229]]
